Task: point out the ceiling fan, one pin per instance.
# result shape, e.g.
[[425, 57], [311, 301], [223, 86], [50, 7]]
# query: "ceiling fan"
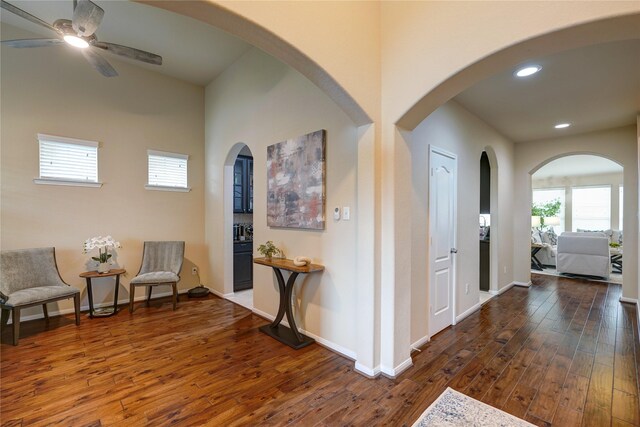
[[79, 33]]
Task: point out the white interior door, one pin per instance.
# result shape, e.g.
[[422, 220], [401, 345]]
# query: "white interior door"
[[442, 235]]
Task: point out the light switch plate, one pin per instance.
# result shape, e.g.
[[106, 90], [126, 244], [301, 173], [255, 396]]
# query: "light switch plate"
[[346, 213], [336, 214]]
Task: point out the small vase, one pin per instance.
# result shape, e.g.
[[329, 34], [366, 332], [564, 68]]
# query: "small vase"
[[103, 267]]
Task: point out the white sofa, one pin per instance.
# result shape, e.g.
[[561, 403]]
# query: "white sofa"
[[583, 253]]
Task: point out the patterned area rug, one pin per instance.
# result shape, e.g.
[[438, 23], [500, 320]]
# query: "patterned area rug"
[[453, 408]]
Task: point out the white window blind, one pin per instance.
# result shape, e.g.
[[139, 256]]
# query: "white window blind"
[[67, 160], [168, 170], [591, 208]]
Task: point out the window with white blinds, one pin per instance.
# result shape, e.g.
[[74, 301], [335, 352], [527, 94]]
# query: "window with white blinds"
[[167, 171], [68, 161]]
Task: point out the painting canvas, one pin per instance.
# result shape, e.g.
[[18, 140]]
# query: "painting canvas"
[[295, 182]]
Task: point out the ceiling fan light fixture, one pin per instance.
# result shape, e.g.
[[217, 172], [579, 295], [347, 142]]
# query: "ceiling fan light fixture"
[[528, 71], [76, 41], [562, 125]]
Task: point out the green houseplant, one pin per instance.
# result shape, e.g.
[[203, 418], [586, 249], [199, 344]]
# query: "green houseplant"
[[546, 210], [268, 250]]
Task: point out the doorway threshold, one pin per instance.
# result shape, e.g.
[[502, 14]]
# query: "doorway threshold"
[[243, 298]]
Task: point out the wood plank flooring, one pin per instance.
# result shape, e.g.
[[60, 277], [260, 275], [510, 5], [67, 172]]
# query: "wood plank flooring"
[[564, 352]]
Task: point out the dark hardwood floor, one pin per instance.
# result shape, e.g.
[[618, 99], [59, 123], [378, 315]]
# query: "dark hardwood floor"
[[564, 352]]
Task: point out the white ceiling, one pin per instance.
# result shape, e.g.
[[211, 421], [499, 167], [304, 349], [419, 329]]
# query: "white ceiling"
[[594, 88], [191, 50], [577, 165]]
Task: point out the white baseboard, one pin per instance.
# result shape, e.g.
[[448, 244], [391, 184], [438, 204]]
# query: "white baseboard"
[[628, 300], [98, 305], [322, 341], [220, 294], [522, 284], [394, 372], [494, 293], [468, 312], [509, 286], [422, 341], [367, 372]]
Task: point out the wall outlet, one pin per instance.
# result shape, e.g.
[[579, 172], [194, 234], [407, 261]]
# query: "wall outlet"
[[466, 289], [194, 271]]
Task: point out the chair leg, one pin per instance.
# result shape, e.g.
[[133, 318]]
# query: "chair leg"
[[149, 289], [76, 305], [15, 318], [5, 318], [175, 295], [46, 312], [132, 294]]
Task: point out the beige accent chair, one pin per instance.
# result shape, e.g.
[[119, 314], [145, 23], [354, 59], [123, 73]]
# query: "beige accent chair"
[[161, 265], [30, 277]]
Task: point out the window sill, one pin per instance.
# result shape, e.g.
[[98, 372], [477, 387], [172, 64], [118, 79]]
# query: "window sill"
[[162, 188], [66, 182]]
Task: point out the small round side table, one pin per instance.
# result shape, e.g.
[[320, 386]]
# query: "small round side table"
[[105, 311]]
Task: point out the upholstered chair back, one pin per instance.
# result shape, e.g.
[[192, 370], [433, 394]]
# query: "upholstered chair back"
[[162, 256], [28, 268]]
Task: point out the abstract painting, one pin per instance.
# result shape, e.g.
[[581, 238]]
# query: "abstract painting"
[[295, 182]]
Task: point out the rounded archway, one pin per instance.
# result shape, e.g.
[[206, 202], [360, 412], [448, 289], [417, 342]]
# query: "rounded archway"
[[228, 214]]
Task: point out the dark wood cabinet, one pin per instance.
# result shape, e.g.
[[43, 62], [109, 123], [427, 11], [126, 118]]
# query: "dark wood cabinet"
[[485, 184], [243, 185], [242, 266], [485, 267]]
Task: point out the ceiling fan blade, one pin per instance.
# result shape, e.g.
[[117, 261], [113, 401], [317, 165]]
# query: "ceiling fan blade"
[[99, 63], [26, 15], [32, 42], [86, 17], [130, 52]]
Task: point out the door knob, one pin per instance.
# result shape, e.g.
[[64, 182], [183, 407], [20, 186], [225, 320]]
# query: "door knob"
[[453, 251]]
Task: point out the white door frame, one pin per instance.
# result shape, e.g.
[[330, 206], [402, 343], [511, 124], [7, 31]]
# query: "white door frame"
[[433, 149]]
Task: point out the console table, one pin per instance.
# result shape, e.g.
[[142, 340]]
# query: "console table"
[[289, 336], [102, 312], [535, 262], [616, 260]]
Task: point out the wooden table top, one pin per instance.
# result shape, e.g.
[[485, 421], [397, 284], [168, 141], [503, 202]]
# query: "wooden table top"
[[287, 264], [112, 272]]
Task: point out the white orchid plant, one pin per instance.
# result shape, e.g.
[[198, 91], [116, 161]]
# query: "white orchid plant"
[[103, 244]]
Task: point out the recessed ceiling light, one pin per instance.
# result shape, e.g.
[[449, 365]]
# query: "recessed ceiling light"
[[562, 125], [528, 70], [76, 41]]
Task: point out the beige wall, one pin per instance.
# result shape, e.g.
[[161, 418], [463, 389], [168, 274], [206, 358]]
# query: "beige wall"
[[613, 180], [456, 130], [619, 145], [259, 101], [55, 91]]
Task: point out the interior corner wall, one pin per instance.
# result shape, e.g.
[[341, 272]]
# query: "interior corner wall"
[[259, 101], [619, 145], [55, 91], [456, 130]]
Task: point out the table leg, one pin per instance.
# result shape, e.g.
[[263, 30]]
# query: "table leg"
[[289, 307], [90, 296], [115, 298], [289, 336], [283, 301]]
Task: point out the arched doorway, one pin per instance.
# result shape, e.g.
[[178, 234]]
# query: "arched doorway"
[[578, 193], [238, 223]]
